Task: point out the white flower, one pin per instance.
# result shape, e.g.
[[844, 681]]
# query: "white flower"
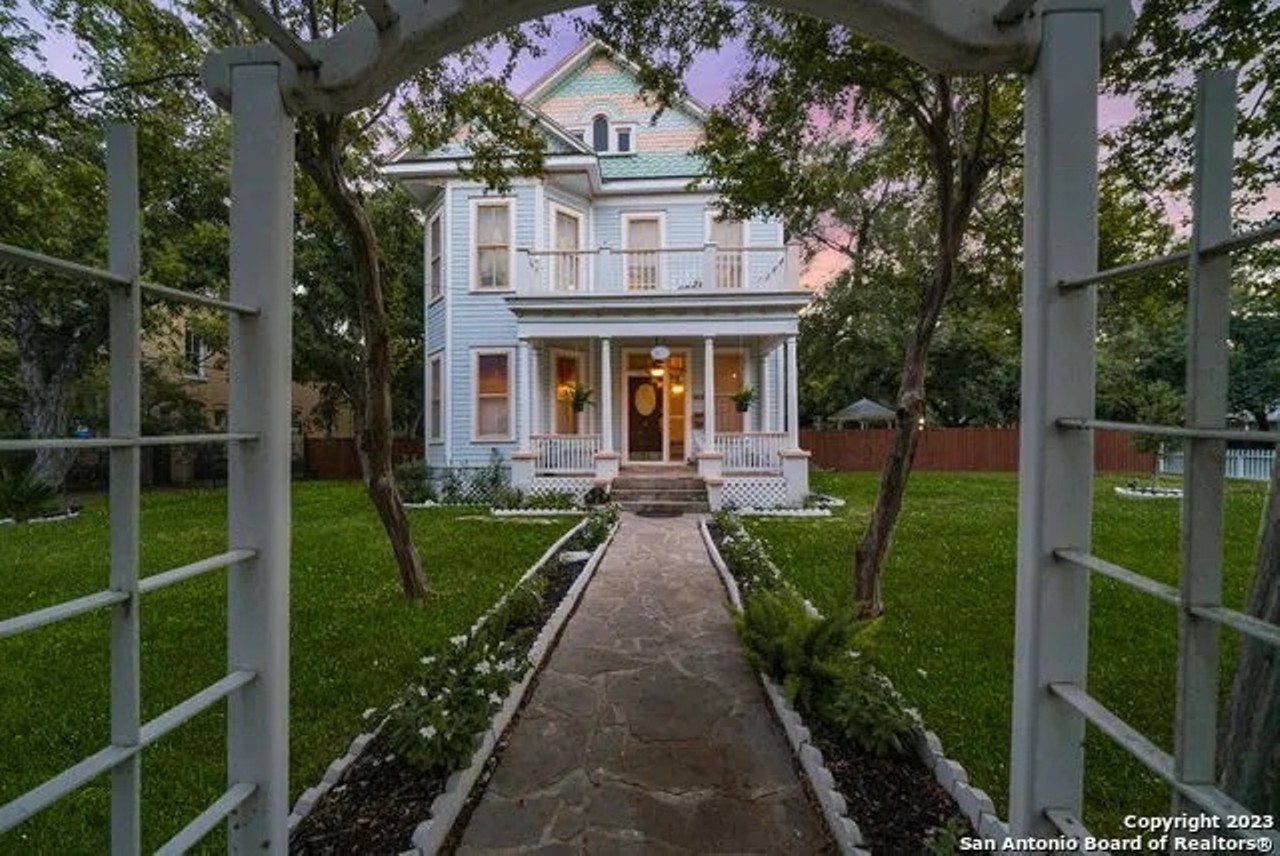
[[483, 667], [923, 673], [428, 732], [422, 691], [494, 698], [368, 714], [458, 641], [427, 661]]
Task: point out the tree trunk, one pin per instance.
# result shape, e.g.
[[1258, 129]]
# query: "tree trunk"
[[1251, 748], [44, 406], [374, 437]]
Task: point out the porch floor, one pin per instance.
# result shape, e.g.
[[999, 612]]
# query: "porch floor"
[[647, 731]]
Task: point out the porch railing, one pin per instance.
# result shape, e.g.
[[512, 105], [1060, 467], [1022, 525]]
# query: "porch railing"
[[751, 451], [1248, 464], [565, 453], [706, 267]]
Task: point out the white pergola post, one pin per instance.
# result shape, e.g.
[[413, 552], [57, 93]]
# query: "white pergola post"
[[1055, 465], [1204, 459], [794, 460], [123, 232], [258, 471]]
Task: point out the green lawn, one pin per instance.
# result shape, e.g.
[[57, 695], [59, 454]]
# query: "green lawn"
[[354, 641], [947, 639]]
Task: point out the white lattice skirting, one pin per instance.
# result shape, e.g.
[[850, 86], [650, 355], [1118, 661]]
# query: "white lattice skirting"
[[576, 485], [755, 492]]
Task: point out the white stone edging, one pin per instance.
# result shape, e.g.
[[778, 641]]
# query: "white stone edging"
[[51, 518], [537, 512], [1150, 493], [971, 801], [782, 512], [835, 808], [337, 770], [426, 503], [430, 835]]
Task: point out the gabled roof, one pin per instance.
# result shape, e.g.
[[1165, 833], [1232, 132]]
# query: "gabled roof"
[[455, 149], [580, 56], [864, 410]]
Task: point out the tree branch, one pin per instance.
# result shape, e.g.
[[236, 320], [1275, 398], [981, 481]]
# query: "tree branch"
[[84, 92]]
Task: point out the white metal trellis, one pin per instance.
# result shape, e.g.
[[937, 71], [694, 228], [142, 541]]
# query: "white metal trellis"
[[257, 565], [1051, 703]]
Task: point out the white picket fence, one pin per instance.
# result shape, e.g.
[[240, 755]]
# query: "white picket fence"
[[1249, 464]]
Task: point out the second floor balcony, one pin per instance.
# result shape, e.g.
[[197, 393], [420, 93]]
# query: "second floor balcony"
[[708, 267]]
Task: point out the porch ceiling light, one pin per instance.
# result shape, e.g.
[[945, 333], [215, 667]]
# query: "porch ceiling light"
[[677, 388], [657, 371], [660, 353]]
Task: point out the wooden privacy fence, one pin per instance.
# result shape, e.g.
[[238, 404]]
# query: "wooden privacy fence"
[[336, 458], [973, 449]]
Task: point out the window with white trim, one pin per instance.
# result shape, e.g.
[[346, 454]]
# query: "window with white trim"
[[435, 271], [492, 246], [623, 138], [435, 403], [194, 354], [493, 395]]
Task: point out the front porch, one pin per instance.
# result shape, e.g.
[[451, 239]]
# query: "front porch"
[[659, 405]]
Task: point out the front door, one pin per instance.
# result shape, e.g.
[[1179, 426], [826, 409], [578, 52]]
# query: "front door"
[[644, 419]]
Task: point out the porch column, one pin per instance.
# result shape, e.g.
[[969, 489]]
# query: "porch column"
[[535, 393], [606, 459], [710, 462], [763, 405], [793, 394], [523, 460]]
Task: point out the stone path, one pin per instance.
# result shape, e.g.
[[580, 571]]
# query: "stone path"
[[647, 732]]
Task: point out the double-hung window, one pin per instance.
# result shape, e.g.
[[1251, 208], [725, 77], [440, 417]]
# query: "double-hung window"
[[435, 271], [492, 380], [493, 242], [435, 406]]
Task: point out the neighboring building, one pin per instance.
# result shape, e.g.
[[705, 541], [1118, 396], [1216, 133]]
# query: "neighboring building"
[[609, 273]]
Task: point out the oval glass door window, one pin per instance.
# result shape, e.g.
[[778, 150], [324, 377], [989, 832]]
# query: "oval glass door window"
[[646, 399]]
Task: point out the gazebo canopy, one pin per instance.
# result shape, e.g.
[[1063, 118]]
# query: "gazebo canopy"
[[864, 410]]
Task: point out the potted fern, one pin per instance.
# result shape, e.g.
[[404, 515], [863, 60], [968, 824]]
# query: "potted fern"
[[744, 398], [578, 396]]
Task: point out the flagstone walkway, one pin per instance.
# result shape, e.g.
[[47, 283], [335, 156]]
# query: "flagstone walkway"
[[647, 732]]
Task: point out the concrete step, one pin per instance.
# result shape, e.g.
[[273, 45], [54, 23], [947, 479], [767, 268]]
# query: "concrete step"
[[640, 494], [662, 509], [652, 483]]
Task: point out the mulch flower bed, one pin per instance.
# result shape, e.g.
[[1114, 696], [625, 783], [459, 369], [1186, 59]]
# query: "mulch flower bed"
[[383, 797], [896, 802]]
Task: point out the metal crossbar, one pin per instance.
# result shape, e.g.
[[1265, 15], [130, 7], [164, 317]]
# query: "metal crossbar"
[[1155, 759], [76, 269], [1188, 432], [124, 442], [1241, 240], [42, 796], [207, 821], [174, 575], [60, 612]]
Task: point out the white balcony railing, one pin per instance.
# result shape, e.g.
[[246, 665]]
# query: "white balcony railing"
[[708, 267], [565, 453], [751, 451]]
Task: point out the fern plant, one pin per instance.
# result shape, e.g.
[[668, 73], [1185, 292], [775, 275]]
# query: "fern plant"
[[23, 496]]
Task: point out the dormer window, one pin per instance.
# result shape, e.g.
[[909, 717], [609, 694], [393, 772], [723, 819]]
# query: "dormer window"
[[600, 133], [608, 138]]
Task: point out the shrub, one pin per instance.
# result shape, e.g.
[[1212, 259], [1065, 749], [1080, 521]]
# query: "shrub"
[[745, 557], [600, 521], [451, 487], [520, 612], [413, 478], [435, 724], [490, 481], [552, 499], [509, 497], [805, 652], [867, 709], [596, 496], [23, 496]]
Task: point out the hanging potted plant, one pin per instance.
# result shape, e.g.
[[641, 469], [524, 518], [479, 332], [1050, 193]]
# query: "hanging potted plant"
[[578, 396], [743, 398]]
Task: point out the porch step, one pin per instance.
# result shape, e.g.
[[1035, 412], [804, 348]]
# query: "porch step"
[[659, 495]]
